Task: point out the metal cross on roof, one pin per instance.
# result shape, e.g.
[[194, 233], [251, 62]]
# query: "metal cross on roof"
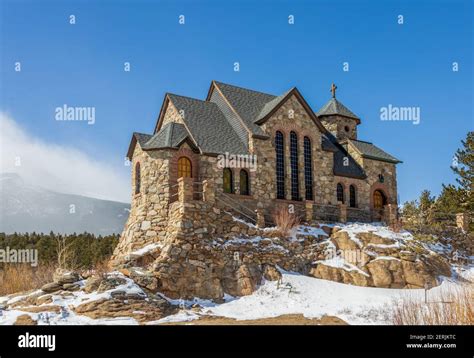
[[333, 90]]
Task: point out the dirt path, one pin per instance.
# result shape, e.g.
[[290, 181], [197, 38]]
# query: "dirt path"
[[288, 319]]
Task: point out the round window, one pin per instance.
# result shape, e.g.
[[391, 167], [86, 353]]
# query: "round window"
[[346, 128]]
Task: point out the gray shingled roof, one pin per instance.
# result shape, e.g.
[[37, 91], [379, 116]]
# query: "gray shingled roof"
[[268, 107], [208, 126], [341, 166], [352, 169], [327, 143], [142, 138], [215, 128], [171, 135], [333, 106], [370, 151], [137, 137], [247, 103]]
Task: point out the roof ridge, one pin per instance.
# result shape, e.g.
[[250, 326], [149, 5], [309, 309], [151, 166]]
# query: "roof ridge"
[[187, 97], [243, 88]]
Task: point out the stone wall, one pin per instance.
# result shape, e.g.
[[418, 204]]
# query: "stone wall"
[[341, 127], [148, 216]]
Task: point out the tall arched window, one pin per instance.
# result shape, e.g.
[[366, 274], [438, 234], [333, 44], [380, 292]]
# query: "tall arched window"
[[352, 196], [228, 181], [244, 182], [295, 188], [138, 179], [340, 193], [280, 164], [184, 168], [308, 169]]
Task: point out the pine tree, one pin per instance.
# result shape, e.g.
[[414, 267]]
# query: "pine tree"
[[463, 167], [426, 206]]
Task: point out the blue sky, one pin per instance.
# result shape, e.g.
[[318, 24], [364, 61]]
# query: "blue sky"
[[402, 65]]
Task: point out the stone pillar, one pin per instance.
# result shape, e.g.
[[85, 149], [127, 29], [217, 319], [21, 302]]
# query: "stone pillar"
[[260, 217], [462, 221], [309, 210], [208, 192], [342, 213], [185, 189], [390, 214]]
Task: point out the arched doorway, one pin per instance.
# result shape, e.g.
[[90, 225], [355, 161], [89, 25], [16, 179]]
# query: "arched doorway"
[[184, 168], [379, 200]]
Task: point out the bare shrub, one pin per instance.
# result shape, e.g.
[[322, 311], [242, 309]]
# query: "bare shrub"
[[23, 277], [285, 220], [66, 259], [453, 307]]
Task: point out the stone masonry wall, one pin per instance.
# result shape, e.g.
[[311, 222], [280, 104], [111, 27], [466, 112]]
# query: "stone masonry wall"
[[337, 125], [148, 216]]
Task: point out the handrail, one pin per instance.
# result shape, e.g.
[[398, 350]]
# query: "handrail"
[[240, 209], [237, 203], [237, 210]]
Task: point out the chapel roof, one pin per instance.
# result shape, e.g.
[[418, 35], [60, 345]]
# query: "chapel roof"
[[371, 151], [230, 114], [335, 107], [208, 126]]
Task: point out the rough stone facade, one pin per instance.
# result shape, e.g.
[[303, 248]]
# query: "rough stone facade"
[[152, 214]]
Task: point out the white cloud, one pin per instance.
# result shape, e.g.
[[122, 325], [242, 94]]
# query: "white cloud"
[[59, 168]]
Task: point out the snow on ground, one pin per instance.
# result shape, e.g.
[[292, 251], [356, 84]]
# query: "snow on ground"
[[67, 316], [295, 294], [310, 230], [378, 229], [314, 298]]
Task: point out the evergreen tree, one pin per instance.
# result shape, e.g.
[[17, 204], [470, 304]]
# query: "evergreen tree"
[[426, 206], [463, 167]]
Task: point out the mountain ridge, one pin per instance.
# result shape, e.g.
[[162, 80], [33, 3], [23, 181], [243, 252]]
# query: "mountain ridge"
[[28, 208]]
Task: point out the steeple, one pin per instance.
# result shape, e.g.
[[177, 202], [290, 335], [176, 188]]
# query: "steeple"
[[338, 119]]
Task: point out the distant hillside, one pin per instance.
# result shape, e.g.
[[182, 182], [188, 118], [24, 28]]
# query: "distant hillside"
[[27, 208]]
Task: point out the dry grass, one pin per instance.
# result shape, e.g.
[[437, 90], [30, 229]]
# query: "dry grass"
[[23, 277], [454, 307], [285, 220]]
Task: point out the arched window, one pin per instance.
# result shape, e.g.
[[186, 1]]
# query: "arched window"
[[308, 169], [184, 168], [280, 164], [352, 196], [228, 181], [340, 193], [295, 188], [138, 179], [244, 182]]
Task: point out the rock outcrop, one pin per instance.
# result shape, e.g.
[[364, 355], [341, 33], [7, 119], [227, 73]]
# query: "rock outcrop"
[[236, 260]]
